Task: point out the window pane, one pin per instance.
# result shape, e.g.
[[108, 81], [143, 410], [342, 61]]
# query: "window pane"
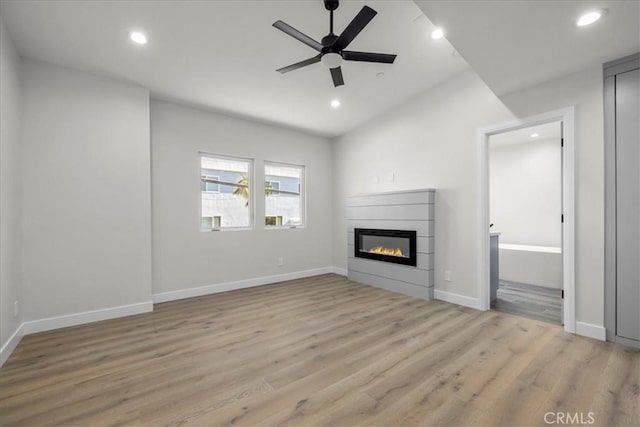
[[283, 195], [224, 192]]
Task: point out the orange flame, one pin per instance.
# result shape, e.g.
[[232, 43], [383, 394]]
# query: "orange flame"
[[386, 251]]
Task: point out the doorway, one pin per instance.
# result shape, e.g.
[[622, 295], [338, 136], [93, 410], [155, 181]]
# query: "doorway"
[[525, 213], [565, 119]]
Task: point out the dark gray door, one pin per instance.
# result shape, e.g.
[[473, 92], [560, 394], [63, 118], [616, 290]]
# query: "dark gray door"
[[627, 130]]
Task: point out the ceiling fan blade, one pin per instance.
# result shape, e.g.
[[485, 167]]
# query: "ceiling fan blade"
[[300, 64], [355, 26], [350, 55], [336, 75], [286, 28]]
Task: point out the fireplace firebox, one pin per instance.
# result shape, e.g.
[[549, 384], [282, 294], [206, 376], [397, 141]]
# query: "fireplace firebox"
[[397, 246]]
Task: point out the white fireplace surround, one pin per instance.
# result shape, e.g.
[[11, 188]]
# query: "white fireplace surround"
[[401, 210]]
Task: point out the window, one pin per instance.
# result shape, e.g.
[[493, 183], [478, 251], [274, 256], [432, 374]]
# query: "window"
[[225, 189], [284, 198], [273, 220], [209, 183], [271, 188], [211, 222]]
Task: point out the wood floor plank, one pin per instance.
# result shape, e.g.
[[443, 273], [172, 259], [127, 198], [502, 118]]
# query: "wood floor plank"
[[620, 380], [315, 351]]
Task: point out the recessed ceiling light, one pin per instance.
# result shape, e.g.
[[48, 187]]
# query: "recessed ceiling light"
[[437, 34], [589, 18], [535, 135], [335, 103], [138, 37]]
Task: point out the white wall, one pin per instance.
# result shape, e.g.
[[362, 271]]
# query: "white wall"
[[525, 192], [429, 142], [432, 142], [185, 257], [10, 283], [86, 192]]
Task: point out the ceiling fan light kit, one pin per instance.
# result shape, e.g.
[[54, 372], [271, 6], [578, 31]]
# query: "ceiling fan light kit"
[[331, 47]]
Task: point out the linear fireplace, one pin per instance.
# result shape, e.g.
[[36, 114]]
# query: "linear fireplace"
[[397, 246]]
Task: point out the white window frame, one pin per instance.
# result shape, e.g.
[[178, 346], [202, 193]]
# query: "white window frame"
[[251, 200], [302, 192]]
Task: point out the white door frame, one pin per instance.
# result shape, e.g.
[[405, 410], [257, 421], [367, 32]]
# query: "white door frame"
[[566, 116]]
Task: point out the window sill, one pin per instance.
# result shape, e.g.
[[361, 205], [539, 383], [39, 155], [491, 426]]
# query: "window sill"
[[283, 227], [226, 229]]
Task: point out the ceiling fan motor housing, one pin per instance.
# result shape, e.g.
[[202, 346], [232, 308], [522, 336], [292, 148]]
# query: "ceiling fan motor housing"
[[327, 43]]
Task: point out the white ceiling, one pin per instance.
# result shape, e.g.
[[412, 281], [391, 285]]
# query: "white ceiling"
[[223, 54], [516, 44], [522, 136]]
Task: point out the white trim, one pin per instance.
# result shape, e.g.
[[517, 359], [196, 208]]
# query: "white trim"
[[41, 325], [240, 284], [566, 116], [340, 271], [530, 248], [457, 299], [11, 344], [591, 331]]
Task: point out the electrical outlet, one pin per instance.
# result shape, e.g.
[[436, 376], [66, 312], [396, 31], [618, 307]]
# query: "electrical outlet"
[[16, 309], [280, 261], [447, 275]]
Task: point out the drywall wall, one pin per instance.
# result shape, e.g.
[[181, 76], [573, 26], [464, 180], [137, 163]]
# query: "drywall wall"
[[432, 142], [86, 192], [429, 142], [10, 283], [525, 187], [185, 257]]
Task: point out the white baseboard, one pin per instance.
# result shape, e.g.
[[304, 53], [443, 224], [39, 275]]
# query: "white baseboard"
[[239, 284], [591, 331], [11, 344], [41, 325], [457, 299], [340, 271]]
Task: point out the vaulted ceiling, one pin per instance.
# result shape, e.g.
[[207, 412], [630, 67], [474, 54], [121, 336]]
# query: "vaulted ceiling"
[[519, 43], [222, 55]]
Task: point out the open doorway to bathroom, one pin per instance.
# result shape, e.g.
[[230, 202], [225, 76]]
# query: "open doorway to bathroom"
[[525, 213]]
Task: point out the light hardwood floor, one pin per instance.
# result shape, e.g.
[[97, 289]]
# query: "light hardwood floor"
[[317, 351]]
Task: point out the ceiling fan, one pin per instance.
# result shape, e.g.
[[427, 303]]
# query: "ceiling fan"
[[331, 47]]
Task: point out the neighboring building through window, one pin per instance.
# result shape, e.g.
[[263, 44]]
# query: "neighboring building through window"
[[211, 222], [273, 220], [225, 184], [209, 183], [271, 188], [284, 198]]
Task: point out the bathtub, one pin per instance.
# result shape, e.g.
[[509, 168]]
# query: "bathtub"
[[535, 265]]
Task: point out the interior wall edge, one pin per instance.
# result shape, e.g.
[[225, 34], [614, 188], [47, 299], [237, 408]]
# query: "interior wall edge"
[[11, 344]]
